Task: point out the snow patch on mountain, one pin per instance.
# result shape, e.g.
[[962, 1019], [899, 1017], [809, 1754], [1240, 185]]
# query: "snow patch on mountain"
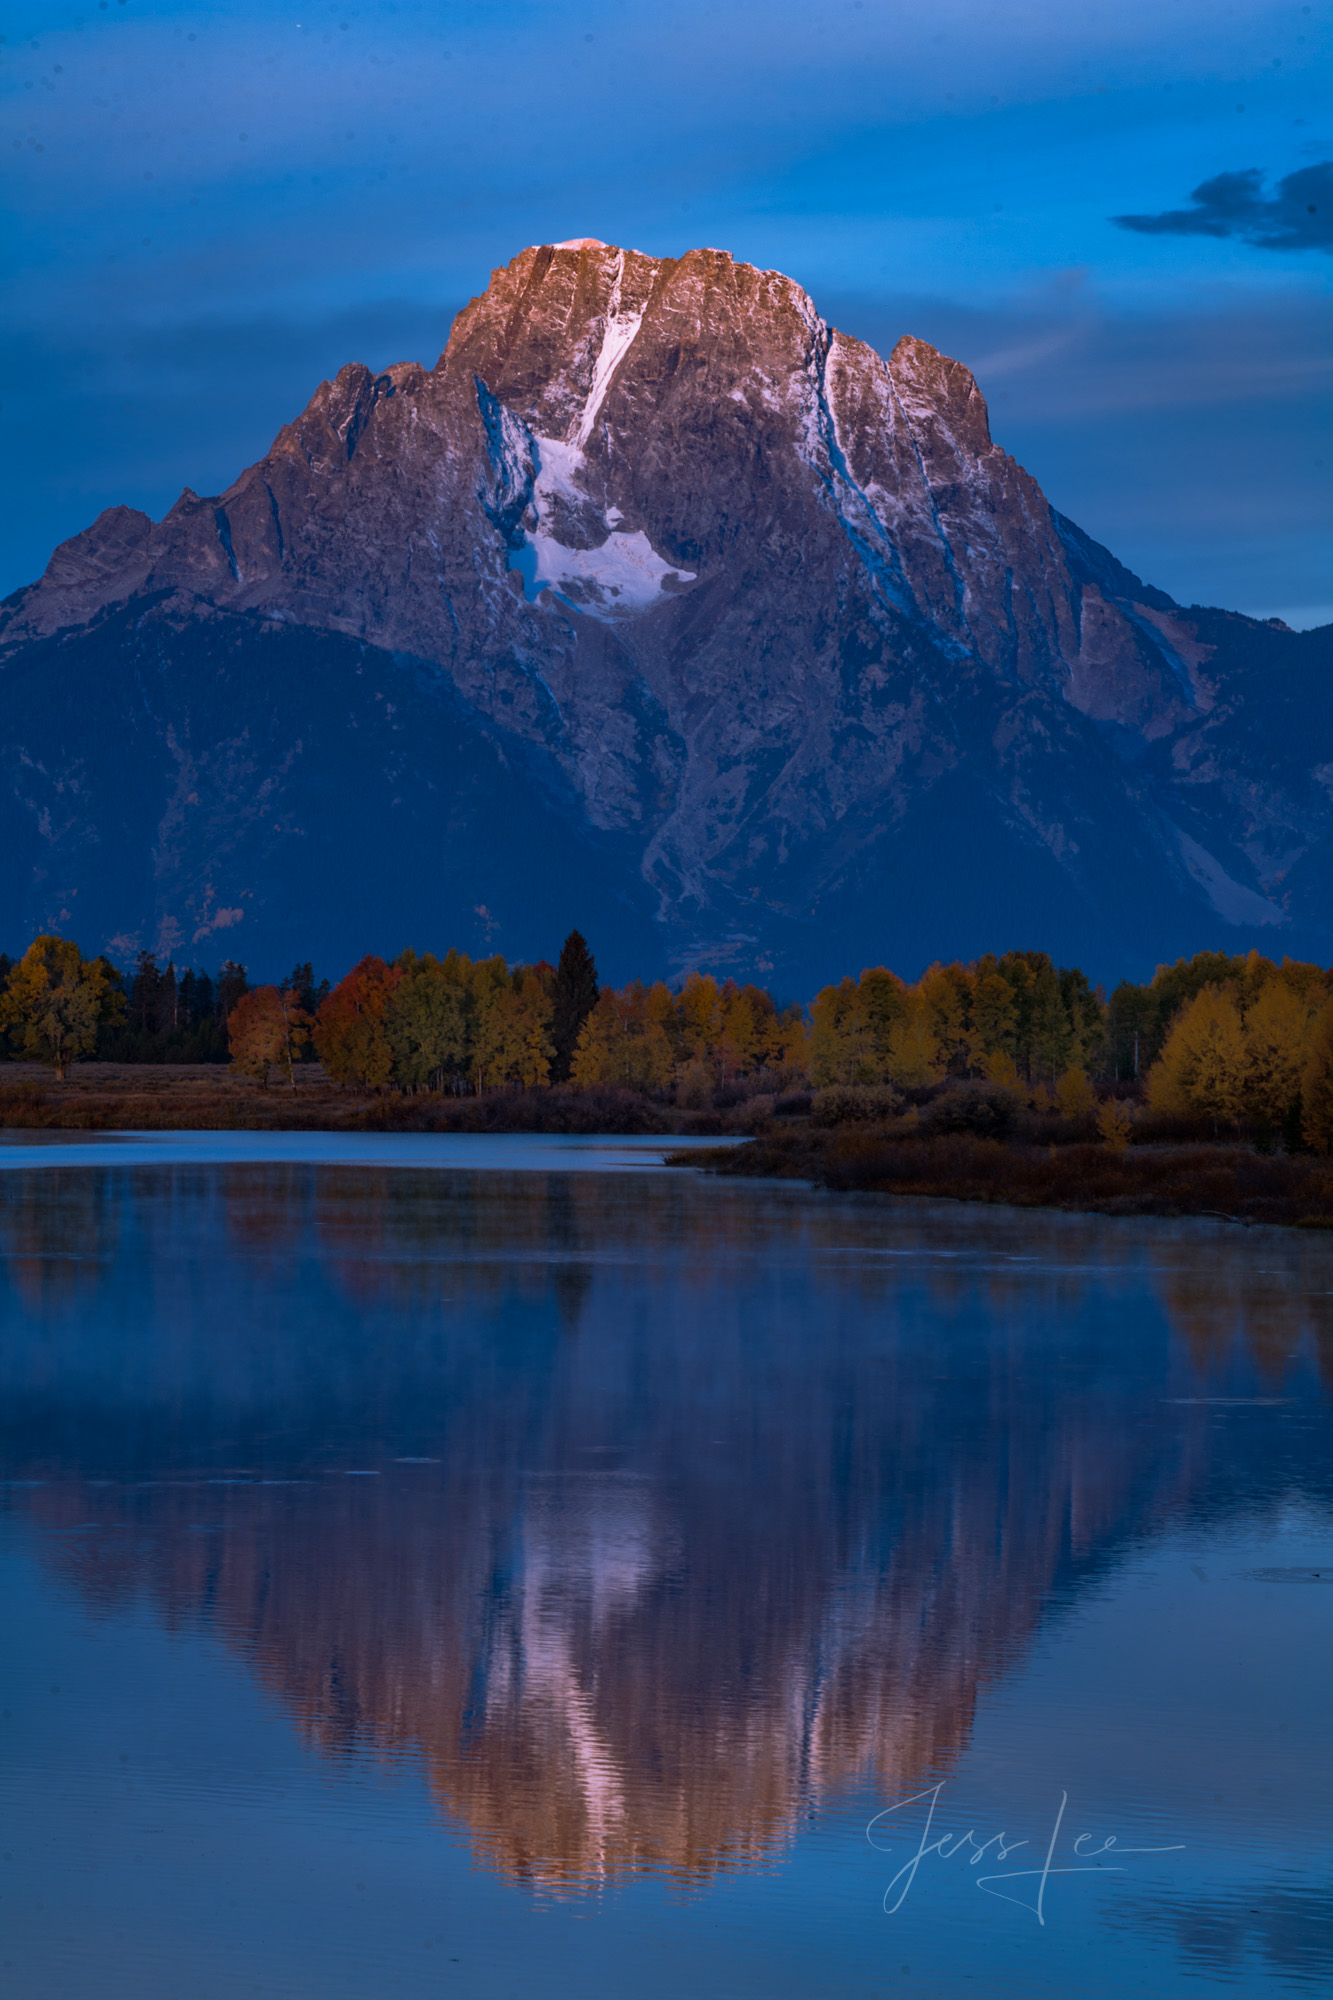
[[1231, 899], [620, 573], [821, 446], [617, 340], [624, 574]]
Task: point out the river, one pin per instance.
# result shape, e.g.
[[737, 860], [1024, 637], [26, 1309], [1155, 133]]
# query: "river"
[[483, 1567]]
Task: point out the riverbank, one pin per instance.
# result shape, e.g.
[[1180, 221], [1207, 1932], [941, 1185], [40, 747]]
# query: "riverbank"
[[207, 1097], [1234, 1182], [1020, 1169]]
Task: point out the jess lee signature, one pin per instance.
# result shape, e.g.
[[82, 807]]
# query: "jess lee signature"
[[1085, 1849]]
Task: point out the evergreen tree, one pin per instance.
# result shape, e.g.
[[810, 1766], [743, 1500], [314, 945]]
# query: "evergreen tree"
[[141, 1018], [203, 999], [231, 983], [310, 997], [574, 994]]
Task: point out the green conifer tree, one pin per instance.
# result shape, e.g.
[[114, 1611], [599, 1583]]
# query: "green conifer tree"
[[574, 993]]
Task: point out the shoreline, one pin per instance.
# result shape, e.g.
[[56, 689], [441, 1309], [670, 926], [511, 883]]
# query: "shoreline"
[[1225, 1183], [206, 1097], [1228, 1182]]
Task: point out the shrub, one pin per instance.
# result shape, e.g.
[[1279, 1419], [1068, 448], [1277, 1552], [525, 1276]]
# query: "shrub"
[[853, 1103], [1115, 1124], [1075, 1096], [985, 1109], [694, 1086]]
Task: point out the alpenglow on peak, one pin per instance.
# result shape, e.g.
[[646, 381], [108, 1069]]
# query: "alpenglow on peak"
[[662, 608]]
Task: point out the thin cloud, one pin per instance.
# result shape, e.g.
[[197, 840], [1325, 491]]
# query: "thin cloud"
[[1299, 216]]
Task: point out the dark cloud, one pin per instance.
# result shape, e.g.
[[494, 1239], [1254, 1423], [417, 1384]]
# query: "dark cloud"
[[1298, 217]]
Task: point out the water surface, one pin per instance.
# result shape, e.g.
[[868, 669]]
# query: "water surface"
[[424, 1577]]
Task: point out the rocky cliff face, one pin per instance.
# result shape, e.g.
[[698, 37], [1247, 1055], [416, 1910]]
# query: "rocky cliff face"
[[758, 633]]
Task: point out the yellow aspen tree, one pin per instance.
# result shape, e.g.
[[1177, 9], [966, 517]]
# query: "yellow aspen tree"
[[1309, 982], [1000, 1068], [55, 1001], [535, 1012], [740, 1037], [1115, 1123], [1277, 1041], [1202, 1068], [624, 1041], [792, 1037], [884, 1006], [1075, 1095], [513, 1039], [651, 1061], [596, 1051], [838, 1037], [699, 1011], [913, 1054], [993, 1015], [1317, 1083], [947, 991]]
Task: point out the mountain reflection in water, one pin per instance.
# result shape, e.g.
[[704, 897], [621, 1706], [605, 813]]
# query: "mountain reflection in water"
[[646, 1512]]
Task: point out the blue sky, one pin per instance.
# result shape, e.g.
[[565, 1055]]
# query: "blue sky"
[[210, 207]]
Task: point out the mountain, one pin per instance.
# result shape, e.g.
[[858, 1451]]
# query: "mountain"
[[661, 607]]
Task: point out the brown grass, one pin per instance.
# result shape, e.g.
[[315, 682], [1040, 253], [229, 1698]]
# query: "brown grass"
[[1229, 1181], [180, 1097]]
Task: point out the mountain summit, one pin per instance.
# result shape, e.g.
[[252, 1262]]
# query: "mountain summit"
[[661, 607]]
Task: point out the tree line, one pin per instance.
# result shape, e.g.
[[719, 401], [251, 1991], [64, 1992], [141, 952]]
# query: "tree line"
[[1233, 1040]]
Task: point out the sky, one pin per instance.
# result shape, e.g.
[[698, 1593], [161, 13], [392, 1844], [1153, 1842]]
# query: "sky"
[[1119, 215]]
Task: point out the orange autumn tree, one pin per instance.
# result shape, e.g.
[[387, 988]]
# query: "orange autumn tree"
[[267, 1029], [350, 1036]]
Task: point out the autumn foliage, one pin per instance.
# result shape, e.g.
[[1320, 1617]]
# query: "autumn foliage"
[[267, 1029], [424, 1023], [56, 1000], [1009, 1018], [351, 1028], [1252, 1049], [1213, 1047]]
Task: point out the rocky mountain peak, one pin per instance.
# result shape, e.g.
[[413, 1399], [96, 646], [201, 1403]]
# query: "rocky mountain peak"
[[747, 595]]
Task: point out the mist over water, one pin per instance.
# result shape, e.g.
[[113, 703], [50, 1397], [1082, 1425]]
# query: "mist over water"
[[447, 1580]]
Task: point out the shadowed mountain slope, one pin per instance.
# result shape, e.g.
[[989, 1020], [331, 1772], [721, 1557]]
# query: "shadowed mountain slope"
[[662, 606]]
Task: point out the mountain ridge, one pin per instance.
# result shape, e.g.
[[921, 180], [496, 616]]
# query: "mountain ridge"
[[766, 618]]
